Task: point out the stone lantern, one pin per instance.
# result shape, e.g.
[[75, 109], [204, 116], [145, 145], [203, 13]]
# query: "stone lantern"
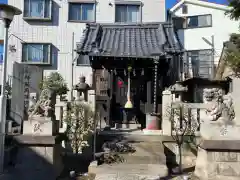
[[82, 87], [177, 89]]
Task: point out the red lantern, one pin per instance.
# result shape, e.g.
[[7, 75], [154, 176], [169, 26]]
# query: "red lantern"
[[120, 83]]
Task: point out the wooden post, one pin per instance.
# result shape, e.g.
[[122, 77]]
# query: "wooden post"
[[155, 105], [153, 121]]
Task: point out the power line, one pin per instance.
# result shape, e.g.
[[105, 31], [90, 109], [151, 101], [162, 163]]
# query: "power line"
[[35, 46]]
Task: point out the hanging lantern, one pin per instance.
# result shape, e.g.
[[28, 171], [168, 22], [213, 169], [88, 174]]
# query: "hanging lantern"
[[120, 83]]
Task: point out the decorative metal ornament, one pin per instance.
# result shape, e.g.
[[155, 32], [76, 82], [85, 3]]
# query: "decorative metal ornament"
[[134, 72], [125, 73], [129, 102], [104, 73]]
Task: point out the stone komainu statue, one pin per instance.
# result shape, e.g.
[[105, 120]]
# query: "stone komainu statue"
[[221, 105], [44, 105]]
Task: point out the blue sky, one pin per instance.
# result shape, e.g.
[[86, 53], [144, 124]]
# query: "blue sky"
[[3, 1], [170, 3]]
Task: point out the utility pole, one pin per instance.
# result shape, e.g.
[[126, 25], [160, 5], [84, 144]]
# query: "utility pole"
[[72, 66], [212, 62]]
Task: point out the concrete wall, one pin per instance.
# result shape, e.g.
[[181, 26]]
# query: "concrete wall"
[[60, 32], [221, 28]]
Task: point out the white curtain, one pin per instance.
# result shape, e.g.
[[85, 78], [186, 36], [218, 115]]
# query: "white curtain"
[[133, 13], [87, 12], [80, 12], [127, 13], [204, 20]]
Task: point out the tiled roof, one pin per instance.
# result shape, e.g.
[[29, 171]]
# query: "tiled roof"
[[121, 40]]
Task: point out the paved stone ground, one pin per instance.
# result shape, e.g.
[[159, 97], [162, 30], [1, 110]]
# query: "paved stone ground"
[[147, 163]]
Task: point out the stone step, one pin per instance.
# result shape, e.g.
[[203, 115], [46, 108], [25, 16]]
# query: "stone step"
[[125, 126], [133, 159], [127, 177], [125, 171]]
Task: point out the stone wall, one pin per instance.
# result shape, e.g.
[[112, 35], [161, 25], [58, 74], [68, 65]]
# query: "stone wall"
[[218, 163]]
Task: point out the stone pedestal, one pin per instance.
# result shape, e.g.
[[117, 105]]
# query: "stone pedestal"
[[40, 126], [153, 122], [38, 158], [219, 132], [218, 160]]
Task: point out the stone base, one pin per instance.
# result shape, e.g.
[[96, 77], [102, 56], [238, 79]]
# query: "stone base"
[[218, 160], [37, 157], [127, 126], [217, 131], [152, 132], [40, 126]]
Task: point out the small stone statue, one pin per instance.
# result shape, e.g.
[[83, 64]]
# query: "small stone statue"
[[45, 105], [221, 105]]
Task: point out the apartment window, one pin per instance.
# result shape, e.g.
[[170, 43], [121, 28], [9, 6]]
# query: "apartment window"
[[37, 9], [199, 21], [81, 12], [127, 13], [1, 53], [83, 60], [36, 53], [184, 9], [199, 63]]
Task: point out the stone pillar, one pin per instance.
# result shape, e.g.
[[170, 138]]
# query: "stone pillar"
[[92, 99], [166, 103], [236, 98], [60, 109]]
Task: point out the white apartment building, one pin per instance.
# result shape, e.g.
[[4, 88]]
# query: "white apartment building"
[[1, 41], [48, 30], [202, 31]]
